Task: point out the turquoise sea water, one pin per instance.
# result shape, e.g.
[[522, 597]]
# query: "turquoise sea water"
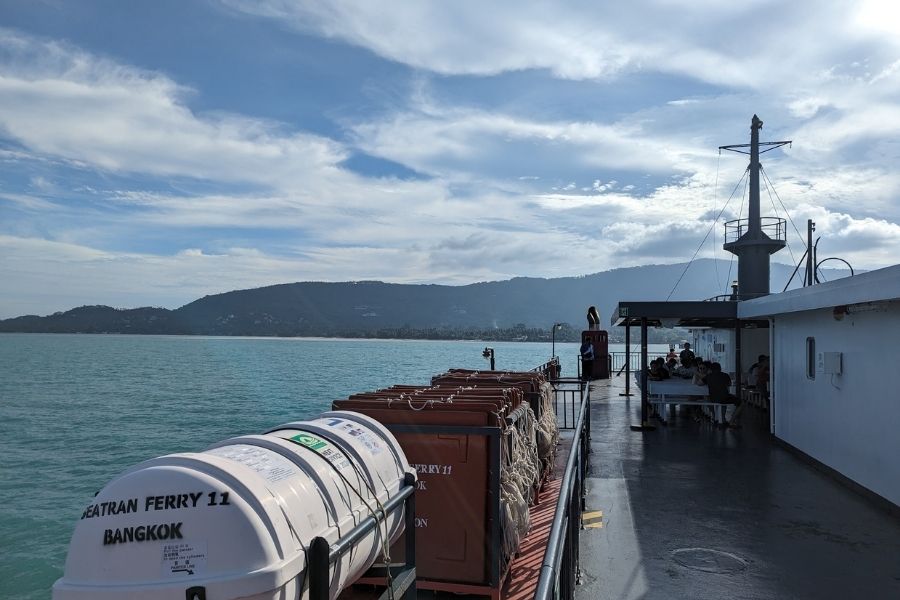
[[75, 410]]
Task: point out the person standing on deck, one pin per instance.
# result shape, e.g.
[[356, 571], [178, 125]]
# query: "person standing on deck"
[[587, 359]]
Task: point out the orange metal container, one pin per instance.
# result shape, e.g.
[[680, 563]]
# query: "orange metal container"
[[453, 435]]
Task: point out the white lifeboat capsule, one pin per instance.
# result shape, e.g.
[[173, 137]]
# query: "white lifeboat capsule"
[[235, 520]]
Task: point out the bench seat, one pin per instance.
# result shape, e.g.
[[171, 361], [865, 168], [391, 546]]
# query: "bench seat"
[[716, 409]]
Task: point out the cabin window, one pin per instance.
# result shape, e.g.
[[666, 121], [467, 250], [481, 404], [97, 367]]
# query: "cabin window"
[[811, 358]]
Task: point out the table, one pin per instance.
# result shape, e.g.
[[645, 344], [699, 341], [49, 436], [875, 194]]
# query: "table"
[[670, 392]]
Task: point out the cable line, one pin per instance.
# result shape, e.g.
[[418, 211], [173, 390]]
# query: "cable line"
[[766, 175], [715, 202], [775, 209], [706, 237], [740, 212]]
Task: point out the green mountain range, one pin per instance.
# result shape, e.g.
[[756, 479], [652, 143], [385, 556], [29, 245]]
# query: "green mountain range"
[[512, 309]]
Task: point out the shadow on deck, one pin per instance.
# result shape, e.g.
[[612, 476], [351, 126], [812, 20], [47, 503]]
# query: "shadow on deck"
[[692, 511]]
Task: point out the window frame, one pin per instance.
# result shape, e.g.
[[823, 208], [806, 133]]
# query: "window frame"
[[811, 357]]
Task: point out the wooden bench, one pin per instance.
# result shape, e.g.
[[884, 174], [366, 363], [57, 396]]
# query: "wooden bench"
[[672, 392], [716, 410]]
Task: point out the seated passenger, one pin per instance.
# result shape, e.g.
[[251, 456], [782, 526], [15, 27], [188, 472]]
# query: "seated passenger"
[[701, 373], [658, 372], [671, 366], [718, 383], [753, 373], [687, 371], [762, 378]]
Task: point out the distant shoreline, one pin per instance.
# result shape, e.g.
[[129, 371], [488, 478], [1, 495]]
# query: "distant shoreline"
[[315, 338]]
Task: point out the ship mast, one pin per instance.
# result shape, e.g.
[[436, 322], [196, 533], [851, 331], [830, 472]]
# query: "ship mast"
[[755, 238]]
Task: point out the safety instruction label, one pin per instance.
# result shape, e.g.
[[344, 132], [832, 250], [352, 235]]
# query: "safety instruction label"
[[270, 465], [322, 448], [367, 439], [310, 441], [184, 559]]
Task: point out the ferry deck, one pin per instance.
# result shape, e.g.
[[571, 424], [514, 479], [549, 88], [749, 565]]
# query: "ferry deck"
[[694, 511]]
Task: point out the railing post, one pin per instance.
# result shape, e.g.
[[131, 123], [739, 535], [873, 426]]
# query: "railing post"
[[627, 359], [564, 570], [588, 417], [409, 524], [577, 506], [318, 568], [574, 414]]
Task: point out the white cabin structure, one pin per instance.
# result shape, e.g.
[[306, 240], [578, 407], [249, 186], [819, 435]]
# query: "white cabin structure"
[[834, 381], [835, 377]]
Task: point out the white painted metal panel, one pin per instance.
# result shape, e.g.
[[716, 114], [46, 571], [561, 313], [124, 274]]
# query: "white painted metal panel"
[[848, 421]]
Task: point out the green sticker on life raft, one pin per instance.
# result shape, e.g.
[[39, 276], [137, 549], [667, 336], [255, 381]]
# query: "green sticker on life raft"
[[310, 441]]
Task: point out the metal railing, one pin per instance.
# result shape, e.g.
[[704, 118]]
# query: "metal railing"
[[567, 396], [609, 366], [401, 579], [618, 361], [549, 369], [560, 570], [774, 227]]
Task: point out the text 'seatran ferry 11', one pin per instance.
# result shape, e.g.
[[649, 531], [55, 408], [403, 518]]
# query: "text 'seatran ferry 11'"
[[527, 485]]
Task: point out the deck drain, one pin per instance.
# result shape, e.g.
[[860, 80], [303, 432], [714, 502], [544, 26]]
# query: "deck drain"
[[709, 561]]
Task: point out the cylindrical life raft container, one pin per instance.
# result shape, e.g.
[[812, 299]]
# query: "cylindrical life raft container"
[[235, 520]]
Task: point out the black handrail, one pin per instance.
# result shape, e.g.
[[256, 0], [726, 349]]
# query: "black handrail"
[[567, 395], [559, 571], [774, 227], [549, 369], [401, 579]]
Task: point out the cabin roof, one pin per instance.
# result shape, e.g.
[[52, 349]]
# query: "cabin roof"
[[880, 285]]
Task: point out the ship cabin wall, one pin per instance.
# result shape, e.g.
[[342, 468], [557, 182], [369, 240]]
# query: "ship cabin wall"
[[718, 345], [715, 345], [848, 421]]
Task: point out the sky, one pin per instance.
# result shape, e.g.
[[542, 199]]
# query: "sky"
[[155, 152]]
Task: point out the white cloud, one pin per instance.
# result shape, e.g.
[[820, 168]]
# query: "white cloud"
[[462, 143], [710, 41], [28, 202], [882, 16], [59, 101], [512, 191], [805, 108]]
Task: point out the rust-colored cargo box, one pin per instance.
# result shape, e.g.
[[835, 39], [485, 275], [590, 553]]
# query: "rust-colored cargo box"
[[454, 437]]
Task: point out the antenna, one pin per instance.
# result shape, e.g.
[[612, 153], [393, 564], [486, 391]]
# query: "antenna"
[[753, 239]]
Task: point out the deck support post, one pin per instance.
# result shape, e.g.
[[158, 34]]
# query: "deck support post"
[[645, 416], [627, 360], [737, 359]]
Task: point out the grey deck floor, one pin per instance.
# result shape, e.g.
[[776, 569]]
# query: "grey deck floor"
[[797, 532]]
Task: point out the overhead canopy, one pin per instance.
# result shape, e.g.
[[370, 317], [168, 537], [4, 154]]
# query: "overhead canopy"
[[689, 314]]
